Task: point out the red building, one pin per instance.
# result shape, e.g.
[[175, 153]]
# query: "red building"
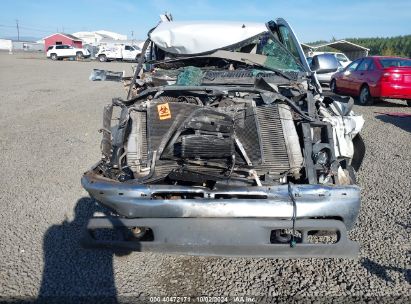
[[62, 38]]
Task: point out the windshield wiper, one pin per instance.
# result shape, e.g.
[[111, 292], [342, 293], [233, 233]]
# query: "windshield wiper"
[[251, 59], [279, 72]]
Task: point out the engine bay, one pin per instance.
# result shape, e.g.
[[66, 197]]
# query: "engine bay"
[[232, 126]]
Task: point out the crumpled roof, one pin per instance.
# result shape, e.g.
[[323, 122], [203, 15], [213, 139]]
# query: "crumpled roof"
[[187, 38]]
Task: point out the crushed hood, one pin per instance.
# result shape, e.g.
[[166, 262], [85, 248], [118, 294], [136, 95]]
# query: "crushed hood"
[[186, 38]]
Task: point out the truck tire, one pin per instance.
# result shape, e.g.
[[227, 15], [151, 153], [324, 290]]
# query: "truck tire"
[[79, 55], [54, 56], [102, 58]]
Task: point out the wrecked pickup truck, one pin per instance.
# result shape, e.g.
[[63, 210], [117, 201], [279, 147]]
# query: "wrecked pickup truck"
[[226, 146]]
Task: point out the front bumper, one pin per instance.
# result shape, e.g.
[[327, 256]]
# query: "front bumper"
[[312, 201], [224, 237], [216, 225]]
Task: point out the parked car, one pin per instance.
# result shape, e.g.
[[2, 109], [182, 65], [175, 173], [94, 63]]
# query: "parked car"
[[325, 78], [341, 57], [225, 146], [60, 51], [118, 52], [375, 77]]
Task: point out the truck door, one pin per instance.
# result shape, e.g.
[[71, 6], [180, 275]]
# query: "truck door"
[[128, 53]]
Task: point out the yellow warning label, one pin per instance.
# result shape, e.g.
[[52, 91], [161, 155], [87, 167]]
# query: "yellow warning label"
[[164, 111]]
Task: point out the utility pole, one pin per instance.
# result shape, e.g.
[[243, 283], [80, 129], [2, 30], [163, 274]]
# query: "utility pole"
[[18, 30]]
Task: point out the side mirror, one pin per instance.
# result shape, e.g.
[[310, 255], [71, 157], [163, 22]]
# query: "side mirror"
[[324, 63]]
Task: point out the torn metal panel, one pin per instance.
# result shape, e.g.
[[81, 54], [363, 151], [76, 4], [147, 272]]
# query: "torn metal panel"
[[105, 75], [344, 130]]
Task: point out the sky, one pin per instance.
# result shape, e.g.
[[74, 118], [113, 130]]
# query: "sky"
[[311, 20]]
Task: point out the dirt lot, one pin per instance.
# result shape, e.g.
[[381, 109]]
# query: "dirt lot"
[[49, 116]]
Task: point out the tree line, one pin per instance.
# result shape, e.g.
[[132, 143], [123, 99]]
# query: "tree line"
[[390, 46]]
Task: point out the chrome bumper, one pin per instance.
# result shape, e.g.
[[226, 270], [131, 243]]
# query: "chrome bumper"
[[312, 201]]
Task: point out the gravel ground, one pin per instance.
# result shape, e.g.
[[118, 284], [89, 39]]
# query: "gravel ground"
[[49, 116]]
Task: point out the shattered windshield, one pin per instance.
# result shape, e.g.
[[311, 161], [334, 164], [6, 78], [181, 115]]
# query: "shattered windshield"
[[278, 56], [262, 50]]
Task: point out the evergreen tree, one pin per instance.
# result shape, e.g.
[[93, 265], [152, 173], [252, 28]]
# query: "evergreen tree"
[[390, 46]]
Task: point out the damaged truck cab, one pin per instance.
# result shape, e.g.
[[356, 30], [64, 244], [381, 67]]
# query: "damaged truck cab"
[[226, 146]]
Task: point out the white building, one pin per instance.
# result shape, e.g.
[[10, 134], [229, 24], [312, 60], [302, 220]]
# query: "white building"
[[6, 44], [113, 35], [94, 38], [14, 45]]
